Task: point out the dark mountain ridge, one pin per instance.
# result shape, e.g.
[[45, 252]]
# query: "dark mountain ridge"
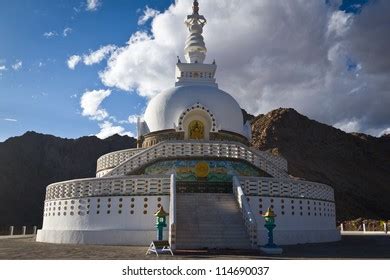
[[30, 162]]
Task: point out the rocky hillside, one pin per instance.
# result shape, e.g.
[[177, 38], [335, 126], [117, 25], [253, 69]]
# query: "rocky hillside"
[[32, 161], [356, 165]]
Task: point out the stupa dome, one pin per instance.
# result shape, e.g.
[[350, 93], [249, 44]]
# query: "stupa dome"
[[165, 109]]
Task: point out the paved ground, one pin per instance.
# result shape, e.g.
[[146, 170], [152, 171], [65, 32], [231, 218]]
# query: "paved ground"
[[351, 247]]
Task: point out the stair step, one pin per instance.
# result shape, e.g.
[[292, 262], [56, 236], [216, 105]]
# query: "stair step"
[[210, 221]]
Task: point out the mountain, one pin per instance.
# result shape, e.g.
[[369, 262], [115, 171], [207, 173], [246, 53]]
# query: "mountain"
[[246, 116], [356, 165], [30, 162]]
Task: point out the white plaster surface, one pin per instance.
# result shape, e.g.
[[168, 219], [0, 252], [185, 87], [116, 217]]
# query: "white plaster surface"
[[72, 221], [164, 110], [302, 221]]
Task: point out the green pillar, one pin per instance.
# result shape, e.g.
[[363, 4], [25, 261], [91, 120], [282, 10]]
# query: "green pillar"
[[161, 217], [270, 247], [269, 218]]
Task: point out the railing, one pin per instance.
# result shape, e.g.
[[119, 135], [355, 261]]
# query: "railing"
[[249, 219], [175, 149], [17, 231], [113, 159], [278, 161], [263, 186], [110, 186], [364, 229], [172, 213]]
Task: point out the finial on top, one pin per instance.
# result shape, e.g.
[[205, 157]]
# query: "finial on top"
[[160, 212], [269, 214], [195, 7], [195, 49]]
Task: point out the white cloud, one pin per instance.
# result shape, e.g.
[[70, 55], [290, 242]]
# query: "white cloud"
[[66, 31], [93, 5], [133, 118], [3, 68], [73, 61], [10, 120], [327, 64], [107, 129], [348, 126], [90, 103], [91, 107], [128, 66], [339, 23], [385, 131], [97, 56], [93, 57], [18, 65], [50, 34], [149, 13]]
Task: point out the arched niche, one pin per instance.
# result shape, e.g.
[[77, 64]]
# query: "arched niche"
[[197, 117]]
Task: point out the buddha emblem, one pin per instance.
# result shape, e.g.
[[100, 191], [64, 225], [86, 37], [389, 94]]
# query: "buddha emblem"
[[196, 130], [202, 169]]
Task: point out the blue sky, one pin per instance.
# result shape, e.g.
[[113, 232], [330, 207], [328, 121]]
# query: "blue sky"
[[39, 92]]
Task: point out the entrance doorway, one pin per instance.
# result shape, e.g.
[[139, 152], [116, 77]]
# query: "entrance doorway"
[[204, 187]]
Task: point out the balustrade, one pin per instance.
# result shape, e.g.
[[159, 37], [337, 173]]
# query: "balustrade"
[[177, 149], [112, 186]]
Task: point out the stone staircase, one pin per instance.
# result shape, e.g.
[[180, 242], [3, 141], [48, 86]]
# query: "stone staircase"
[[209, 220]]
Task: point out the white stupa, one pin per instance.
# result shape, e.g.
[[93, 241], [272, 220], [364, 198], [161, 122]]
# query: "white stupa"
[[194, 159]]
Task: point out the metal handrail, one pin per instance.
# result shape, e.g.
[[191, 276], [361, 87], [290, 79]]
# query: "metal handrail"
[[172, 213]]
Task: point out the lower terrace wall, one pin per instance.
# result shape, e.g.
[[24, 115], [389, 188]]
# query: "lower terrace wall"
[[298, 221], [120, 210], [102, 220]]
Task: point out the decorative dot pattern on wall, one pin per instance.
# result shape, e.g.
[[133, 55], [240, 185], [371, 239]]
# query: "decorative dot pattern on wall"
[[91, 207], [278, 205]]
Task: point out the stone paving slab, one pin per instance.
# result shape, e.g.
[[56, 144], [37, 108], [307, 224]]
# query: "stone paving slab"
[[351, 247]]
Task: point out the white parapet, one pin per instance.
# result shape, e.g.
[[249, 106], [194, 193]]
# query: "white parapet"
[[114, 210], [264, 186], [215, 149], [306, 211], [111, 160], [109, 186]]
